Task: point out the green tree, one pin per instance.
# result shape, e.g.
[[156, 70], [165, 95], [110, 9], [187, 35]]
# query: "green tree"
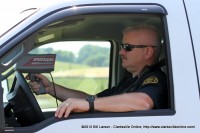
[[94, 55], [65, 56], [61, 55]]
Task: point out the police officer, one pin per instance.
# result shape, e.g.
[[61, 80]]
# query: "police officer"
[[145, 89]]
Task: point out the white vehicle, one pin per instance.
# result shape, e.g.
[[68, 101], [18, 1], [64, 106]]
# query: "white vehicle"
[[94, 26]]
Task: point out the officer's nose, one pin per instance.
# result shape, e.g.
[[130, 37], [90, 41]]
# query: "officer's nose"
[[122, 52]]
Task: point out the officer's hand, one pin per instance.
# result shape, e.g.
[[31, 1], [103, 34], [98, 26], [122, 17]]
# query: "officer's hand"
[[35, 86], [71, 105]]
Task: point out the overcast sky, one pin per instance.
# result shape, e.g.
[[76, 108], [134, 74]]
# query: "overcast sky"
[[10, 9], [14, 5]]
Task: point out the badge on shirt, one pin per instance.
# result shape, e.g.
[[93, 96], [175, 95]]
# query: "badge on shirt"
[[150, 80]]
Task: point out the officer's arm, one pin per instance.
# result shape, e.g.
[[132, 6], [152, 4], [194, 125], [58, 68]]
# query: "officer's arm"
[[124, 102], [63, 93]]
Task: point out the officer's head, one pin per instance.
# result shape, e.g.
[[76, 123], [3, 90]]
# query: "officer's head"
[[140, 47]]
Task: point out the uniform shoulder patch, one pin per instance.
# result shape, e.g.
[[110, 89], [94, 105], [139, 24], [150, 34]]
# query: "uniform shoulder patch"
[[150, 80]]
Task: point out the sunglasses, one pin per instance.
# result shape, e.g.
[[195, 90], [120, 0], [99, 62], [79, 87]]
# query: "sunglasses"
[[128, 47]]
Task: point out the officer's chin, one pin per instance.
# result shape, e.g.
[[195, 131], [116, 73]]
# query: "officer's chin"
[[124, 65]]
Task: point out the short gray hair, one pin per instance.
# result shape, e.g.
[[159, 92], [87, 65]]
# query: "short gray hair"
[[139, 27]]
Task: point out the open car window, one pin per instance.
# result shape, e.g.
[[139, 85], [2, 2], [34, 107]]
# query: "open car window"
[[80, 65]]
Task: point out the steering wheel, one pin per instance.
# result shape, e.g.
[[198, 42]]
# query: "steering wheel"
[[26, 108]]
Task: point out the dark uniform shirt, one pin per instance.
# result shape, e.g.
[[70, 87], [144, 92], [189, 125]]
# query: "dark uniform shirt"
[[151, 81]]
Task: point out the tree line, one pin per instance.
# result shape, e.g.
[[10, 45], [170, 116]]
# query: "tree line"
[[88, 55]]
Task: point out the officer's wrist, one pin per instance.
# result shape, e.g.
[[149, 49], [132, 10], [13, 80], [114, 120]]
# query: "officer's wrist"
[[50, 88], [90, 100]]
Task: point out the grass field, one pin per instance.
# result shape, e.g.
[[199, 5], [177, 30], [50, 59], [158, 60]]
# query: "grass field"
[[88, 85], [79, 77]]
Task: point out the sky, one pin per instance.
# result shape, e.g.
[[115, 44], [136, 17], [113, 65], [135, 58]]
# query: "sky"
[[10, 10], [12, 6]]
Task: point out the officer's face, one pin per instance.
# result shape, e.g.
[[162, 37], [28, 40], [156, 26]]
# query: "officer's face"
[[133, 60]]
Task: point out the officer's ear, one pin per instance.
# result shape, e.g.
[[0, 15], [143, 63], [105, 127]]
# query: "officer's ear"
[[149, 53]]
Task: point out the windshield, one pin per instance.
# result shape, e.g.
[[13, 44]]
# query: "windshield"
[[10, 22]]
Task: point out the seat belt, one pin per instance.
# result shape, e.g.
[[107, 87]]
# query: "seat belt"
[[2, 118]]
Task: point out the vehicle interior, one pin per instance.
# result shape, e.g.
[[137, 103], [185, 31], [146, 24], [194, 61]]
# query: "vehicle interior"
[[22, 108]]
